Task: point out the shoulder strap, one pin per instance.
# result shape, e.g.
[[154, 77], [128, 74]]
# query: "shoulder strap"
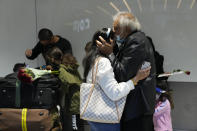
[[93, 83], [94, 73]]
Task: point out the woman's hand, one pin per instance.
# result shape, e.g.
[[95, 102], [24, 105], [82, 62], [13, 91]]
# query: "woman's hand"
[[141, 74]]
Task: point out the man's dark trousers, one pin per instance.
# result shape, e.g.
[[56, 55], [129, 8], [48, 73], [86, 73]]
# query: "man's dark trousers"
[[142, 123]]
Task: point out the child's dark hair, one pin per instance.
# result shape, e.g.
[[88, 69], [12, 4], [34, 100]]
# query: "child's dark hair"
[[167, 95], [54, 54], [68, 59], [18, 66]]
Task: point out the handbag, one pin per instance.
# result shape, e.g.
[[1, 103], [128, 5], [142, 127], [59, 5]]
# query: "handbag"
[[95, 105]]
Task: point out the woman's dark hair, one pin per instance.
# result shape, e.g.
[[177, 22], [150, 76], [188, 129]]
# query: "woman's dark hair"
[[94, 52], [45, 34], [168, 94]]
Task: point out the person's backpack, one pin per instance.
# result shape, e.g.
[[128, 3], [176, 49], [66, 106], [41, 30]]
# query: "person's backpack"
[[159, 59]]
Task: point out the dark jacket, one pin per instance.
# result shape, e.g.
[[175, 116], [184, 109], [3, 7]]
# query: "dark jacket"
[[63, 44], [132, 53]]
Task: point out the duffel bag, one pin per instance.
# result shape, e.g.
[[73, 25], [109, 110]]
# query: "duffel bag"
[[29, 120]]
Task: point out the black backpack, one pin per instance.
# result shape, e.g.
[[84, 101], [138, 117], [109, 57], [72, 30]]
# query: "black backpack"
[[159, 59]]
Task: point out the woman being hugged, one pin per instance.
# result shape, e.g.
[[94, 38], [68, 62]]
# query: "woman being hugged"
[[105, 77]]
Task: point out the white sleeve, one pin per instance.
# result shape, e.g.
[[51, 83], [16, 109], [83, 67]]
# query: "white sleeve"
[[107, 81]]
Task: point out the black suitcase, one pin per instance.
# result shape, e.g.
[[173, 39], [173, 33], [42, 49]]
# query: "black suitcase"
[[8, 91], [42, 93], [46, 92]]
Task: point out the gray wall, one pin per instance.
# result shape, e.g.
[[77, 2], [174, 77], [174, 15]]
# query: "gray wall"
[[17, 32], [184, 115]]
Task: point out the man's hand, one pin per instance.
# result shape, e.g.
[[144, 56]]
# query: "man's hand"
[[104, 47], [28, 52]]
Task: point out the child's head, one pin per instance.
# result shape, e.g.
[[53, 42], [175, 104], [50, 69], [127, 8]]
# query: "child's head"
[[54, 55], [161, 95], [68, 59], [18, 66], [163, 92]]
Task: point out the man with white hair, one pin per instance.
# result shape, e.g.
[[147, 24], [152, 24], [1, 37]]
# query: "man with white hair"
[[134, 50]]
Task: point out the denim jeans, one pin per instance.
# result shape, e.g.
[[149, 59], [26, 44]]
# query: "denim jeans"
[[95, 126]]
